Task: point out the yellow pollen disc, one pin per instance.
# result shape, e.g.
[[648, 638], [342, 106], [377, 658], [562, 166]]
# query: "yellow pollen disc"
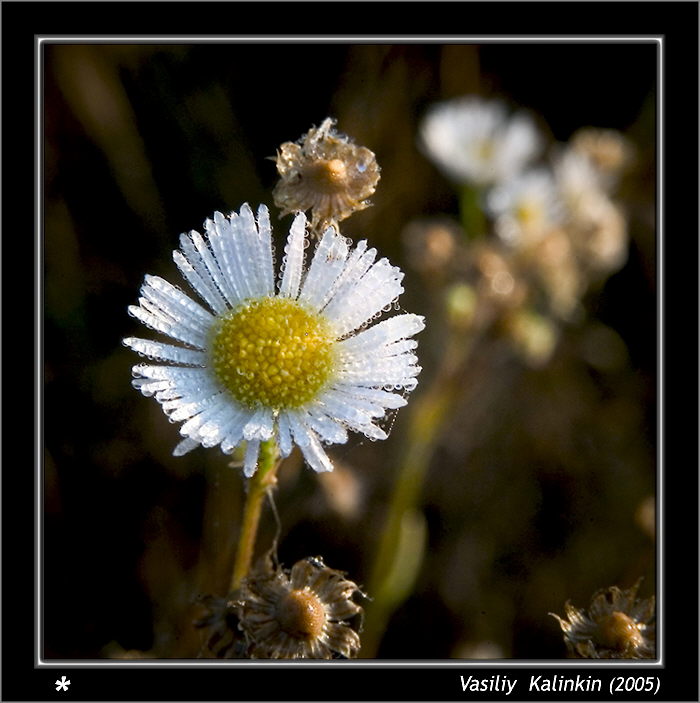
[[529, 213], [485, 149], [272, 352], [327, 175], [619, 631], [301, 614]]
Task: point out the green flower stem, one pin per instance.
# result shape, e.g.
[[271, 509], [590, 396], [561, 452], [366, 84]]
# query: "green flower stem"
[[264, 479], [391, 580], [471, 212]]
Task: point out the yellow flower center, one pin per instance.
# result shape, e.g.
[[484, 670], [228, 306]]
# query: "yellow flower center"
[[272, 352], [529, 213], [485, 149], [301, 614], [327, 175]]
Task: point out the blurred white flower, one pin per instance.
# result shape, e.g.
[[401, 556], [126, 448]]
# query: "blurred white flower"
[[576, 178], [525, 207], [298, 363], [476, 141]]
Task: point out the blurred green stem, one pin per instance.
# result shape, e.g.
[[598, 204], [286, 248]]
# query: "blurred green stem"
[[471, 212], [390, 580], [264, 479]]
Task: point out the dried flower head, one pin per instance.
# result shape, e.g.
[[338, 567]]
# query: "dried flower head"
[[433, 245], [326, 173], [303, 613], [606, 149], [552, 261], [617, 626], [599, 233], [219, 622]]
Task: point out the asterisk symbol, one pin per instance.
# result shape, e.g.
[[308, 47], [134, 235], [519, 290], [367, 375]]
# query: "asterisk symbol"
[[62, 684]]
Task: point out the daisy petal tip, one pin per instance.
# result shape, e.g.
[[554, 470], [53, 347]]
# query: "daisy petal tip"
[[250, 460], [184, 447], [299, 220]]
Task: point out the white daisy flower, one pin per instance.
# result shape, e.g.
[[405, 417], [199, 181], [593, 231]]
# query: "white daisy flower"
[[525, 207], [300, 363], [475, 141]]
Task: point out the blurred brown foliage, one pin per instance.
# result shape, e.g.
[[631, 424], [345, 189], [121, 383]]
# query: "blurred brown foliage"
[[540, 487]]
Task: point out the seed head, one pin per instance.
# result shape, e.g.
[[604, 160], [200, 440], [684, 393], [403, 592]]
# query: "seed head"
[[303, 613], [326, 173], [617, 626]]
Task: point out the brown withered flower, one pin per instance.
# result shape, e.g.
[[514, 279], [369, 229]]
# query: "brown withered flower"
[[303, 613], [324, 172], [617, 626], [607, 149], [219, 622]]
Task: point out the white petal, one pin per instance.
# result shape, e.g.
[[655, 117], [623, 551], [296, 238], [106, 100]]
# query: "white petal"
[[259, 248], [356, 266], [224, 426], [157, 320], [235, 241], [260, 426], [221, 239], [149, 387], [294, 258], [210, 264], [379, 287], [315, 456], [327, 429], [186, 445], [169, 392], [373, 432], [172, 300], [309, 444], [195, 414], [205, 289], [392, 373], [390, 330], [326, 266], [197, 265], [165, 352], [284, 434], [233, 433], [375, 395], [343, 411], [403, 346], [300, 432], [176, 375], [250, 462], [362, 404], [266, 263]]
